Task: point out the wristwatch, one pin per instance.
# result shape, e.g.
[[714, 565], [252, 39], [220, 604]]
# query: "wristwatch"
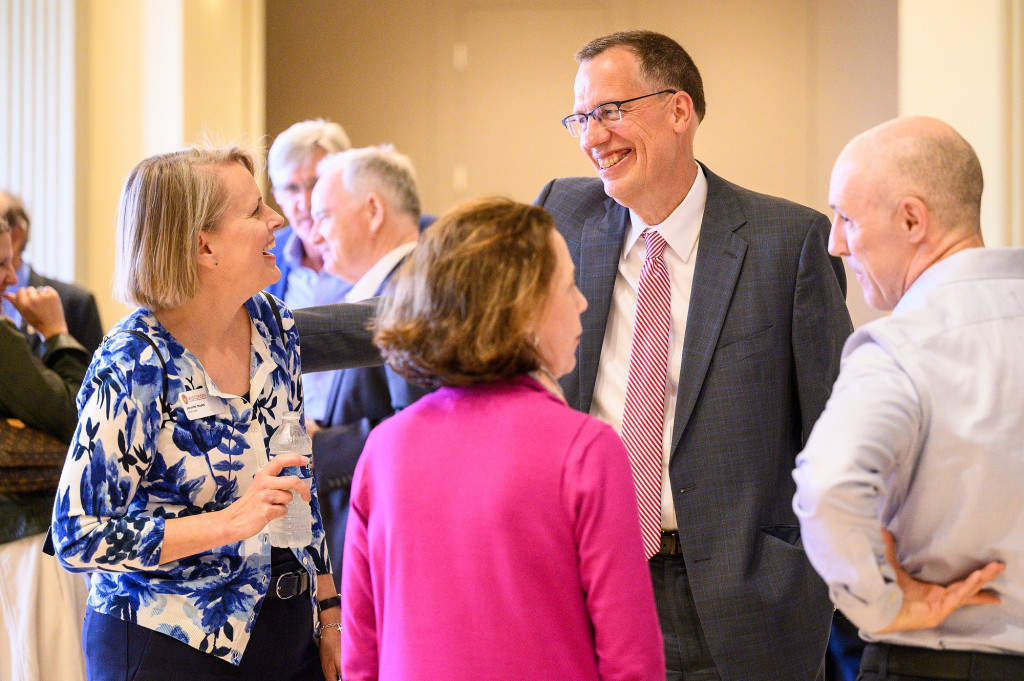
[[328, 603]]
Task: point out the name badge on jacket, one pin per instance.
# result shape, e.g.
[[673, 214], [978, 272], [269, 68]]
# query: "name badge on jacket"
[[198, 403]]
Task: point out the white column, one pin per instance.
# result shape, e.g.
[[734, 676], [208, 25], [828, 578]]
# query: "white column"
[[154, 76], [37, 105], [961, 61]]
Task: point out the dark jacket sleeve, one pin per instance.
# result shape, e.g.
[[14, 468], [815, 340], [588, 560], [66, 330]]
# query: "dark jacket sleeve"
[[41, 392], [337, 336], [80, 310], [337, 448]]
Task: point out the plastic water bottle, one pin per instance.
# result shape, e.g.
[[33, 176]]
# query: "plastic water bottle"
[[295, 529]]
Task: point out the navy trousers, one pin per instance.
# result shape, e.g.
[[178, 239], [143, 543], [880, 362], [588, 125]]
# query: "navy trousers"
[[281, 647]]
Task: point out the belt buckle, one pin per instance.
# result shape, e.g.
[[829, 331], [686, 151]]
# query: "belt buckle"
[[670, 544], [288, 585]]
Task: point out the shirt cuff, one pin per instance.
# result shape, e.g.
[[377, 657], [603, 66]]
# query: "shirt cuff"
[[872, 616]]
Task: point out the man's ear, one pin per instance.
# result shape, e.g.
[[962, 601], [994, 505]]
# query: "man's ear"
[[913, 219], [376, 210], [683, 114]]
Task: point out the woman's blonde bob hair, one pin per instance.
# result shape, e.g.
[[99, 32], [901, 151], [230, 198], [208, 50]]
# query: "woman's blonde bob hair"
[[462, 305], [166, 201]]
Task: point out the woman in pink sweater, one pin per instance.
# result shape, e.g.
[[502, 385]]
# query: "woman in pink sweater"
[[493, 531]]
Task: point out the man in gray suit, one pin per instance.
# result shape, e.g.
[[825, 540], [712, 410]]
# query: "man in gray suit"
[[758, 319], [755, 318], [366, 212]]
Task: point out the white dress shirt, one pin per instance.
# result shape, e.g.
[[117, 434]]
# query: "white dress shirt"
[[368, 284], [924, 435], [680, 230]]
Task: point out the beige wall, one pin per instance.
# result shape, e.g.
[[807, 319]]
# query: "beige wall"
[[473, 90], [154, 75], [967, 68]]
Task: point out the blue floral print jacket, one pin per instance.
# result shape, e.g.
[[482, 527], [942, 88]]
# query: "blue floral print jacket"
[[134, 462]]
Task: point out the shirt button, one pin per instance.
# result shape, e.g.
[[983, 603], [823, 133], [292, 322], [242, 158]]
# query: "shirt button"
[[264, 580]]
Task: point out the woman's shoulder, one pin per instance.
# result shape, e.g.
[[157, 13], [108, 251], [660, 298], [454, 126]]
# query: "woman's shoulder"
[[272, 317], [134, 354]]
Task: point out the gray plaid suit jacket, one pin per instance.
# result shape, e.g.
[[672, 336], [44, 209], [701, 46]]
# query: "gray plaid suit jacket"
[[337, 336], [765, 328]]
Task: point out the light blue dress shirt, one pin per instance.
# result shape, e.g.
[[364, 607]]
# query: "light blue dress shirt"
[[307, 288], [7, 308], [924, 435]]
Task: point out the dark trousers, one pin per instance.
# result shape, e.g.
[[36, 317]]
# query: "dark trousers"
[[282, 648], [884, 662], [687, 657], [845, 646]]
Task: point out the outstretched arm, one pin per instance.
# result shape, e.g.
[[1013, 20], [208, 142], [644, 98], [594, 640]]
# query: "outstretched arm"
[[337, 336]]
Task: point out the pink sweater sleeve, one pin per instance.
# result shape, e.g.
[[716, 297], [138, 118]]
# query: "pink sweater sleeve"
[[359, 654], [599, 494]]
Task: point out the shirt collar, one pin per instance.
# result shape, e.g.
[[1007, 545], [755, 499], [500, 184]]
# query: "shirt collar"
[[293, 250], [368, 284], [682, 227], [261, 364], [970, 263]]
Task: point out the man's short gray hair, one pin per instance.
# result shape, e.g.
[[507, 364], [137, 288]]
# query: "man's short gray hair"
[[300, 141], [379, 169]]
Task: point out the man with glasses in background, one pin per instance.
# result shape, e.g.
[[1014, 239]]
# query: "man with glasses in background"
[[715, 324], [80, 310], [291, 164]]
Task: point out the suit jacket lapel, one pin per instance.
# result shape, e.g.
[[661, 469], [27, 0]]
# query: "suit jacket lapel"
[[335, 404], [597, 264], [719, 262]]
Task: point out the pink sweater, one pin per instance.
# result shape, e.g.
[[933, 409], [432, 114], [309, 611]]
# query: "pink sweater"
[[493, 534]]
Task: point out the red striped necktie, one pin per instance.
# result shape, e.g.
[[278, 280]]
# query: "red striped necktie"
[[643, 421]]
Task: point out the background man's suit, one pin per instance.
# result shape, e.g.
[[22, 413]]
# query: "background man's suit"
[[80, 310], [359, 399], [766, 325]]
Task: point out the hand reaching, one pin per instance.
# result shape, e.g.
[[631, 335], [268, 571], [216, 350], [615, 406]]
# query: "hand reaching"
[[40, 307], [268, 496], [926, 605]]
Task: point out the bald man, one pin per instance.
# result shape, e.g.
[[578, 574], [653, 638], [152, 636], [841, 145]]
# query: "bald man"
[[908, 491]]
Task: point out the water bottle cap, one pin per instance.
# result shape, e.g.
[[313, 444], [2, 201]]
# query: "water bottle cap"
[[291, 416]]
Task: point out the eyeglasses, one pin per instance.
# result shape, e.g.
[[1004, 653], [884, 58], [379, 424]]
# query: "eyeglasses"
[[293, 189], [607, 113]]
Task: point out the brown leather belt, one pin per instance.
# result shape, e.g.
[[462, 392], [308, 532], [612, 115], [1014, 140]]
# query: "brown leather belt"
[[670, 544]]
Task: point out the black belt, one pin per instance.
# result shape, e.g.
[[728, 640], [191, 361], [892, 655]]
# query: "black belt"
[[670, 544], [289, 584], [941, 664]]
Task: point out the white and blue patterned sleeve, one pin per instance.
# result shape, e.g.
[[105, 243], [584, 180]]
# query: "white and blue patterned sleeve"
[[100, 521]]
